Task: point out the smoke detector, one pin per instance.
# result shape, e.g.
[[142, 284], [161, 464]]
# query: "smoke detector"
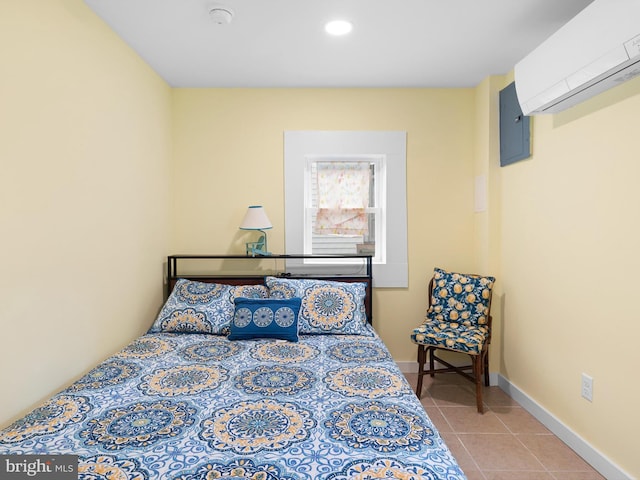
[[220, 15]]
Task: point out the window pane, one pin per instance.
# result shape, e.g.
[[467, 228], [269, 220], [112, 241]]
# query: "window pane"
[[343, 192], [346, 244]]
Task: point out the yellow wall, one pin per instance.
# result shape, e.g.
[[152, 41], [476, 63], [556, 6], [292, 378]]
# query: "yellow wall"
[[570, 233], [486, 223], [229, 154], [85, 142]]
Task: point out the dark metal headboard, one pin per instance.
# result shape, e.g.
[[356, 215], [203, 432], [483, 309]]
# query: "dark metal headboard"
[[231, 275]]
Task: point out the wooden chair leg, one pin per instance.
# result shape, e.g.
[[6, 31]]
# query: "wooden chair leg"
[[486, 367], [477, 373], [479, 365], [432, 369], [421, 360]]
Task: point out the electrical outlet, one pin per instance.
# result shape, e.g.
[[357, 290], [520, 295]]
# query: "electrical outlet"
[[587, 387]]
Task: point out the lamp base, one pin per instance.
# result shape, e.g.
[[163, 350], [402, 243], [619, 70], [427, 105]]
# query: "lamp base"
[[258, 248], [251, 252]]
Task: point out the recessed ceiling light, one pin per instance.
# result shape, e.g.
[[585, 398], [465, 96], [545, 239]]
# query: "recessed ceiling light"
[[338, 27]]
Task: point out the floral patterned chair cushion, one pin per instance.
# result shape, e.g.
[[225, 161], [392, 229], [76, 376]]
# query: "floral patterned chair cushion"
[[458, 315], [452, 336]]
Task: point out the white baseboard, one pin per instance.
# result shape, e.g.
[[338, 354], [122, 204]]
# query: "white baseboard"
[[592, 456]]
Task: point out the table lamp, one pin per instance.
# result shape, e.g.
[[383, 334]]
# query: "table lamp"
[[256, 219]]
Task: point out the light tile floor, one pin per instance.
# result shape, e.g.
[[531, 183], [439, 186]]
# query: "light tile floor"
[[504, 443]]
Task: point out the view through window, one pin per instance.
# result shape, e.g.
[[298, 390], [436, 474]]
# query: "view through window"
[[345, 205]]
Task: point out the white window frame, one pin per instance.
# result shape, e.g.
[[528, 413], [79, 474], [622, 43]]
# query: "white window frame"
[[390, 145], [379, 200]]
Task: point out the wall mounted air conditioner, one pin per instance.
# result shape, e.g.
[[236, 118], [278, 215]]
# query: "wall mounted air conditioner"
[[596, 50]]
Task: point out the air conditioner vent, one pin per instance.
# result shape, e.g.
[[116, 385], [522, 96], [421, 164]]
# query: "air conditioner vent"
[[596, 50]]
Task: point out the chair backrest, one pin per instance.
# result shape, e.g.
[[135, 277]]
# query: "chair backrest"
[[460, 298], [256, 247]]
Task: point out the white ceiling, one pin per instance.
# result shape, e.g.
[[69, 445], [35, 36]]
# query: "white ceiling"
[[282, 43]]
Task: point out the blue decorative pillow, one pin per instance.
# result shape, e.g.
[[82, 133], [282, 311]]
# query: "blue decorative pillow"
[[460, 298], [265, 318], [197, 307], [327, 306]]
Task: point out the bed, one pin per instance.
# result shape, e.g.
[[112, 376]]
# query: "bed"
[[264, 378]]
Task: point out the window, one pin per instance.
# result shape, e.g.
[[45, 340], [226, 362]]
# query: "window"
[[345, 192], [345, 205]]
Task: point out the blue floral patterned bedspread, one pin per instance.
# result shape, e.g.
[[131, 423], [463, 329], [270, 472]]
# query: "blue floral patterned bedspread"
[[194, 406]]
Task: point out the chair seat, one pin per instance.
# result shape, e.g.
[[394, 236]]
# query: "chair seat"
[[458, 337]]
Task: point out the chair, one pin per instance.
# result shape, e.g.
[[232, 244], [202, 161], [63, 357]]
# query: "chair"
[[258, 247], [458, 319]]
